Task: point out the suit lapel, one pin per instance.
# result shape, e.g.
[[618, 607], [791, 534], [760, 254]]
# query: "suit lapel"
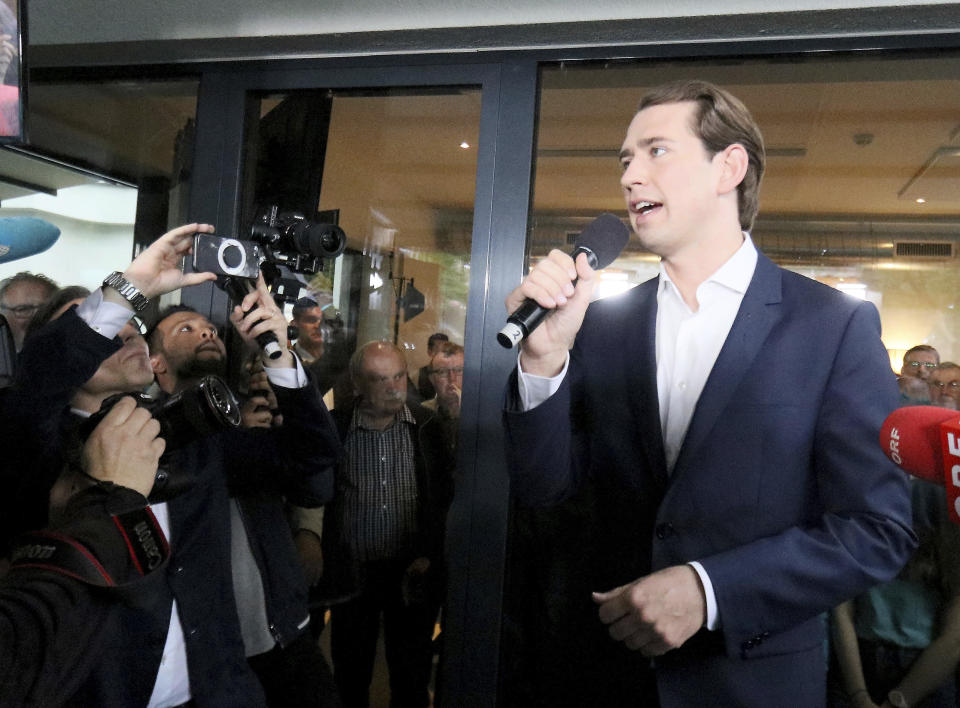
[[643, 379], [758, 313]]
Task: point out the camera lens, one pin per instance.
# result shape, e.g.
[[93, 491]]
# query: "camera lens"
[[319, 240]]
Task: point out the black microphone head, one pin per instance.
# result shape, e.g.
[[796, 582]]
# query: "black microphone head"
[[605, 236]]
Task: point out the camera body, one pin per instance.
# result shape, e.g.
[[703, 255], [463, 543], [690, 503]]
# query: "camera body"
[[197, 412], [226, 256], [290, 239]]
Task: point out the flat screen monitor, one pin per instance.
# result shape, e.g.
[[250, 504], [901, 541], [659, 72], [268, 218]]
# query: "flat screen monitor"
[[12, 71]]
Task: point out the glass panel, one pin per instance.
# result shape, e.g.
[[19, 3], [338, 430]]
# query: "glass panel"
[[396, 170], [861, 191], [108, 165]]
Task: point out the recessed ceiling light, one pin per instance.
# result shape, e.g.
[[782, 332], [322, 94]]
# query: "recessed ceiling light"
[[921, 200], [465, 145]]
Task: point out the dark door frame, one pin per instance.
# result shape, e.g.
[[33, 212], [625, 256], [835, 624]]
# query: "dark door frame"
[[478, 518]]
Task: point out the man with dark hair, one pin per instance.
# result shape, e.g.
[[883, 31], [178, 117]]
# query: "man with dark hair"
[[320, 344], [424, 384], [920, 362], [725, 417], [294, 463], [21, 295], [388, 517], [446, 375], [184, 643]]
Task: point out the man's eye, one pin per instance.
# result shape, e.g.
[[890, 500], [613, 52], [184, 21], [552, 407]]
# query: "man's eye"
[[657, 151]]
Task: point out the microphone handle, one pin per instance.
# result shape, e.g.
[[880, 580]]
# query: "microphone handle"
[[530, 314], [237, 288]]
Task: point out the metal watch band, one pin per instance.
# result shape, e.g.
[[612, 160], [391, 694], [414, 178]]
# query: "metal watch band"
[[127, 290]]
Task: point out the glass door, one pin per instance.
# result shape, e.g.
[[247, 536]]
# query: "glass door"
[[403, 161]]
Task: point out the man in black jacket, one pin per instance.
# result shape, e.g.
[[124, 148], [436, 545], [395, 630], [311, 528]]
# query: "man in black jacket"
[[65, 581], [269, 585], [183, 643]]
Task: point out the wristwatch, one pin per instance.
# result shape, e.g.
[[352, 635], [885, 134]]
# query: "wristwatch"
[[897, 699], [127, 290]]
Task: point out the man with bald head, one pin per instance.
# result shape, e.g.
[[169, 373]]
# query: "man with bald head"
[[387, 522]]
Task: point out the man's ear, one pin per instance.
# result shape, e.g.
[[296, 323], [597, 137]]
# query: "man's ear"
[[733, 167], [159, 363]]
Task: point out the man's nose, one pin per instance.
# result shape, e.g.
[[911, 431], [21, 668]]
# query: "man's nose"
[[634, 174]]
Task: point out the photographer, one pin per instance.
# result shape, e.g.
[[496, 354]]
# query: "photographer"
[[183, 643], [265, 466], [64, 583]]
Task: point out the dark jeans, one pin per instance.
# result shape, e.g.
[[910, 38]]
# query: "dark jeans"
[[408, 630], [296, 676]]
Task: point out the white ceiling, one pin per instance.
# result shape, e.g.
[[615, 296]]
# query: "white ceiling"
[[80, 21]]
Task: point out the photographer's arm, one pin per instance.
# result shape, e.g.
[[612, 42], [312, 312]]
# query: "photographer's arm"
[[157, 270], [59, 592], [297, 458]]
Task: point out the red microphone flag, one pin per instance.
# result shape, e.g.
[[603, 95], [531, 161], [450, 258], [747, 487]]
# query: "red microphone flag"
[[925, 441]]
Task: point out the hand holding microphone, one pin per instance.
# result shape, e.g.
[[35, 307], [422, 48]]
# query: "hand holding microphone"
[[559, 286]]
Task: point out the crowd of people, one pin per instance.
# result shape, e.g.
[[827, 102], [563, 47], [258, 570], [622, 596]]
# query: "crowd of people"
[[706, 443], [221, 616], [898, 643]]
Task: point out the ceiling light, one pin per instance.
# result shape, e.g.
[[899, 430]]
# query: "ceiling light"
[[921, 200], [465, 145]]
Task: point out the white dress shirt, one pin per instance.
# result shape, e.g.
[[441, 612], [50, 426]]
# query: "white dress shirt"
[[687, 346]]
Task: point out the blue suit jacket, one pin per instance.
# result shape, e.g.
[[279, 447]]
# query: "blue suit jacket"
[[780, 489]]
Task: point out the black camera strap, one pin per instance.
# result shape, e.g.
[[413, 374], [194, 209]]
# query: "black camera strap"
[[146, 549]]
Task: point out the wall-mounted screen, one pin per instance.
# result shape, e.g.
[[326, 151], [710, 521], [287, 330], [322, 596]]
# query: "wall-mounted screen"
[[12, 76]]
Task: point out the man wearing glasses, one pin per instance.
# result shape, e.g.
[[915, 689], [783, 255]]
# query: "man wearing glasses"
[[20, 297], [945, 386], [446, 376], [920, 362]]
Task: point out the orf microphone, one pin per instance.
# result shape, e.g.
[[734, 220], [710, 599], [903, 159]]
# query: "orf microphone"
[[602, 241], [925, 441], [23, 236]]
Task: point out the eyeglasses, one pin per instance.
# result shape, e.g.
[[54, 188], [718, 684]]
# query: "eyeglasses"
[[452, 372], [952, 385], [918, 364], [20, 310]]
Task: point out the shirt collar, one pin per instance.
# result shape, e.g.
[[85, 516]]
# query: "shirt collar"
[[735, 274], [403, 416]]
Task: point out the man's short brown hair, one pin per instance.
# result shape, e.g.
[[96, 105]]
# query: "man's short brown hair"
[[921, 348], [720, 120]]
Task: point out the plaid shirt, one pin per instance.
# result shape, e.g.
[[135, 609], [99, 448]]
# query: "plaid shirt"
[[379, 487]]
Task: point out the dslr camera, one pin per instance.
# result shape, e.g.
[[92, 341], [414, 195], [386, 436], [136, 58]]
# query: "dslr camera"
[[198, 412]]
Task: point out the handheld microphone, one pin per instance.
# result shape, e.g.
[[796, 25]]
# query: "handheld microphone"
[[602, 241], [925, 441], [23, 236]]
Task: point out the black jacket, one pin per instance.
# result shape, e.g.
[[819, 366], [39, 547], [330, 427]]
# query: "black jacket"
[[198, 575], [50, 619], [433, 467]]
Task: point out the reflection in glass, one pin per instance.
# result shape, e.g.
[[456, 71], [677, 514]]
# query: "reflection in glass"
[[396, 170]]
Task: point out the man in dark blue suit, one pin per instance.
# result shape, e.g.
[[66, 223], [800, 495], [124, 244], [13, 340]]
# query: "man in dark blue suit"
[[725, 417]]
